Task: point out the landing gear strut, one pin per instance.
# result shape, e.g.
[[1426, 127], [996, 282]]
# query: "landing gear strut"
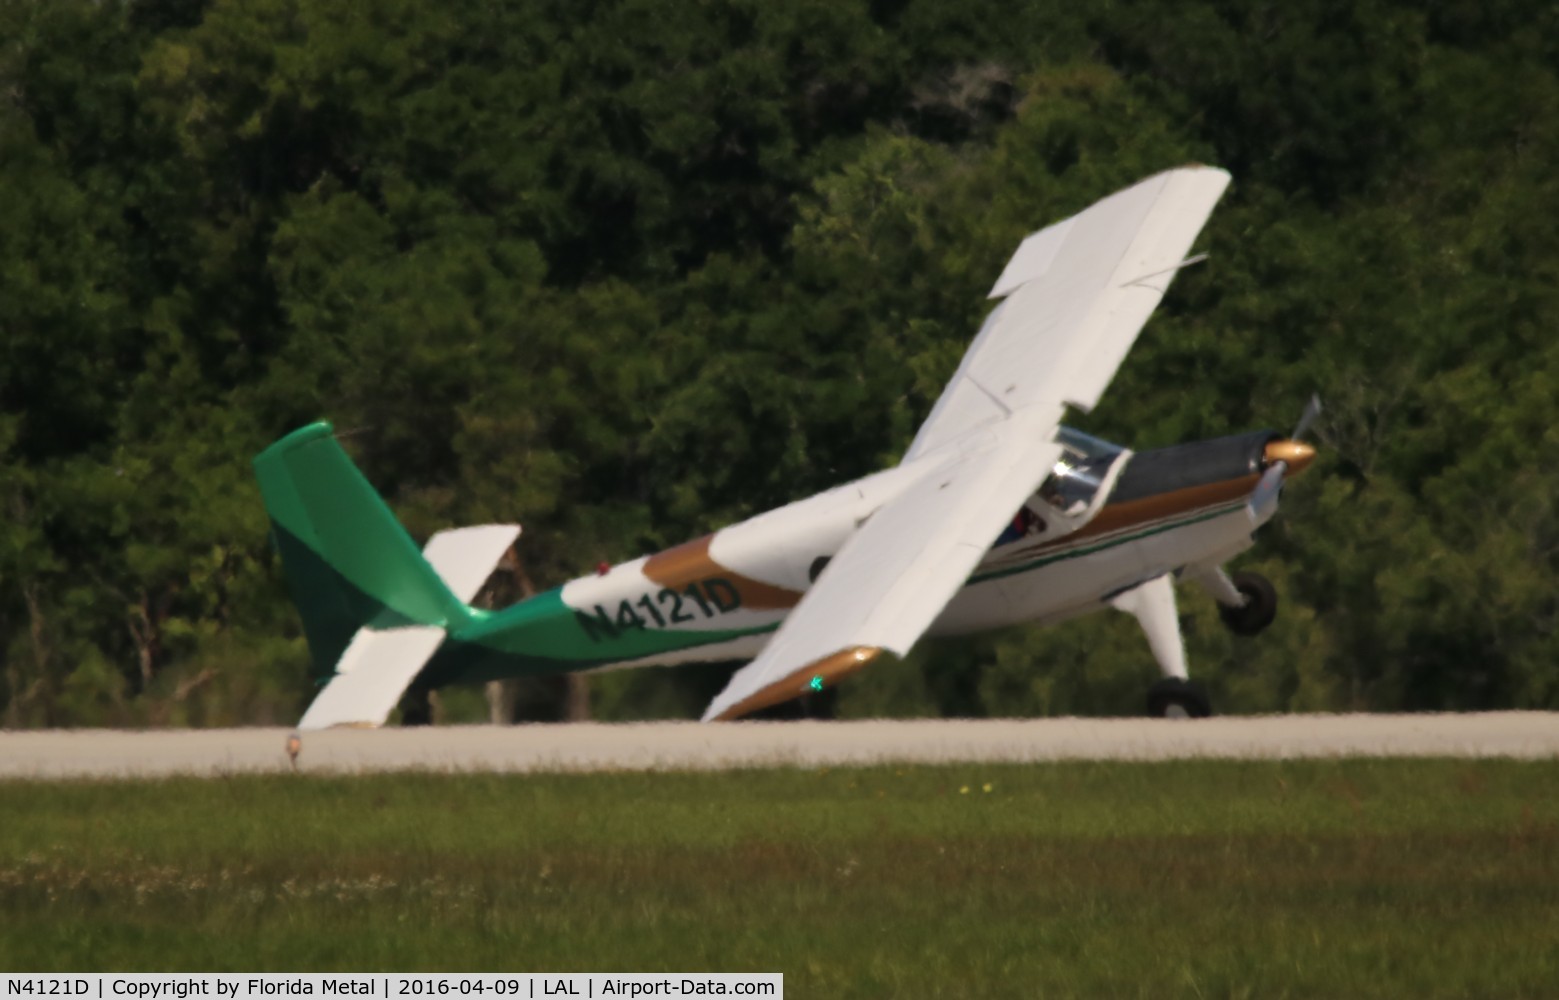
[[1153, 604], [1260, 605]]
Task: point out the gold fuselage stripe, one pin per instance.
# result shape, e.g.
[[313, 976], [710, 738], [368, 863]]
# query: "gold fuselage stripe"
[[691, 563], [1172, 503]]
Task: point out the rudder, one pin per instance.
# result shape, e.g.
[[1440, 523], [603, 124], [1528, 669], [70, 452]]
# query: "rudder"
[[349, 564]]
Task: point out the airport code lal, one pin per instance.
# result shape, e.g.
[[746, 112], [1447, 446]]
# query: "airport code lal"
[[169, 986]]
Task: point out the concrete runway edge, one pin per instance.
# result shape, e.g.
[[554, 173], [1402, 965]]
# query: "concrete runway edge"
[[671, 746]]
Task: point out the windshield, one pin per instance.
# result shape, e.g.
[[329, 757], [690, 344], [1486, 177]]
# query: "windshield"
[[1086, 445], [1078, 473]]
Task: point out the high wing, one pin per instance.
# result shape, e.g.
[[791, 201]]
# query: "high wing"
[[1077, 294], [896, 573]]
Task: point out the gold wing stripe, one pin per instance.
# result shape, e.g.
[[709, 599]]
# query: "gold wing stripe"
[[828, 671]]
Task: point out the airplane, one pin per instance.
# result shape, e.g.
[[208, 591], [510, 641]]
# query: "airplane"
[[996, 515]]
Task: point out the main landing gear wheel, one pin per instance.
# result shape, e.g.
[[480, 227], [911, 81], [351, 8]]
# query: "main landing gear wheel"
[[1259, 609], [1174, 698]]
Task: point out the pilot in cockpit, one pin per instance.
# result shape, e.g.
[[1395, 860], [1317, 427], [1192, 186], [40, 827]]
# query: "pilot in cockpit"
[[1022, 525], [1071, 487]]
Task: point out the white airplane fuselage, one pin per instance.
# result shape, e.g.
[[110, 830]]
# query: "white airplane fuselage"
[[815, 590], [722, 596]]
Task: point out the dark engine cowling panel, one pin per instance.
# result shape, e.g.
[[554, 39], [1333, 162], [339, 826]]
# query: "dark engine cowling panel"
[[1197, 463]]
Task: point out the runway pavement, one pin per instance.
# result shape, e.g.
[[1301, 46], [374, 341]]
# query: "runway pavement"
[[692, 746]]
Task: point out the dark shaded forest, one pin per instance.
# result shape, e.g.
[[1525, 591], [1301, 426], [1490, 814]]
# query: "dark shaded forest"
[[628, 271]]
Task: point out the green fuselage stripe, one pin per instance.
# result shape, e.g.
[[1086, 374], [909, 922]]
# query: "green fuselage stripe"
[[545, 635]]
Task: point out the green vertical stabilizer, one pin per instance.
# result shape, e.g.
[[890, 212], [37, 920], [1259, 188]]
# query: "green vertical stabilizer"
[[348, 561]]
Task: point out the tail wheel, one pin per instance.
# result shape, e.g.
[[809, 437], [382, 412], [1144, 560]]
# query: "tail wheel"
[[417, 707], [1177, 698], [1259, 609]]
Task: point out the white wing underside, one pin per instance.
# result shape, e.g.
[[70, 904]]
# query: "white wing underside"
[[897, 572], [378, 666], [1077, 293]]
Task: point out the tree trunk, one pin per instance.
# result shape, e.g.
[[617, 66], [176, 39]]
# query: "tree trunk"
[[577, 700], [566, 701], [501, 696]]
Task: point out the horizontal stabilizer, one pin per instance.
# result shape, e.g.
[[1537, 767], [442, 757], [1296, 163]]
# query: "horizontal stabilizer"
[[466, 557], [380, 664], [371, 676]]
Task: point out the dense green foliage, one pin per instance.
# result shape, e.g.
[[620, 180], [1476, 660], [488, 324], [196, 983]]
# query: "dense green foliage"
[[628, 271], [1193, 878]]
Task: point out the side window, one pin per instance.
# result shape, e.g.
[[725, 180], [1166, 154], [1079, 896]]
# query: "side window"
[[1024, 524], [1074, 482]]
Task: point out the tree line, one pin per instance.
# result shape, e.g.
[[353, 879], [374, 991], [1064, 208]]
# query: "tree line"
[[628, 271]]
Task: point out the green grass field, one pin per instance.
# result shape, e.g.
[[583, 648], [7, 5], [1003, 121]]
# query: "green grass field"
[[1348, 878]]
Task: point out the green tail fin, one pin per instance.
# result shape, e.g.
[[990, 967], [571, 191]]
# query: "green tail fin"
[[348, 561]]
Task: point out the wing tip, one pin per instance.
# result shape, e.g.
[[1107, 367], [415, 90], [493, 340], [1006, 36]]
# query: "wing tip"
[[814, 676]]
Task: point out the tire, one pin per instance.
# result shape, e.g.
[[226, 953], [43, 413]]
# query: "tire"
[[1260, 608], [1178, 699]]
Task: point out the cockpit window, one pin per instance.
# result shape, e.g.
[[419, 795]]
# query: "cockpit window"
[[1073, 484], [1079, 472], [1086, 445]]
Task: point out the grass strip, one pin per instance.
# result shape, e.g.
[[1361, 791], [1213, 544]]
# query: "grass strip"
[[1305, 878]]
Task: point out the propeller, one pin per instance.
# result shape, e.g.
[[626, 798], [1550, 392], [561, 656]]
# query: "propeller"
[[1280, 455], [1265, 496], [1312, 410]]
